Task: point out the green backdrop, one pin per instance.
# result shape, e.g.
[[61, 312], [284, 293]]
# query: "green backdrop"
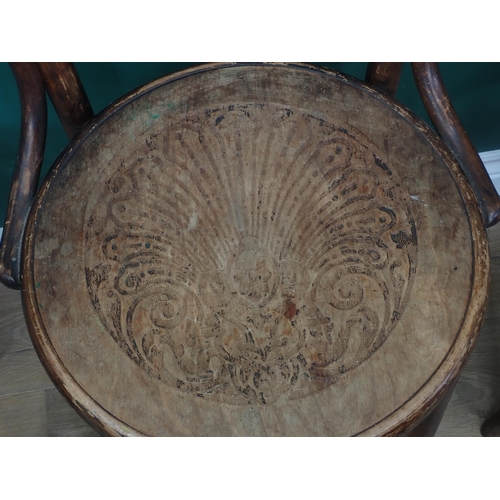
[[474, 89]]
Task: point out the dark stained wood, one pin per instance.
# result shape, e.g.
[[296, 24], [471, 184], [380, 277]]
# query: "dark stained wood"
[[27, 171], [186, 247], [67, 94], [430, 424], [438, 105], [384, 76], [491, 426]]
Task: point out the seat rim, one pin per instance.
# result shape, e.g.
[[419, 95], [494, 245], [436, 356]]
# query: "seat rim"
[[401, 419]]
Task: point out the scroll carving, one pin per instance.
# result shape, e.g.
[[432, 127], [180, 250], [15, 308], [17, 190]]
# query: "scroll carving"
[[250, 254]]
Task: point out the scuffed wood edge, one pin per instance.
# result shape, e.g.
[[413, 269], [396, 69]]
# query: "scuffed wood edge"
[[401, 420]]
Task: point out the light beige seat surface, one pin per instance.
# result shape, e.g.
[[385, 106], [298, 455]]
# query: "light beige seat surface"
[[255, 250]]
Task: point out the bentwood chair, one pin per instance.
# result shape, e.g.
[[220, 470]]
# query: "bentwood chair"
[[251, 249]]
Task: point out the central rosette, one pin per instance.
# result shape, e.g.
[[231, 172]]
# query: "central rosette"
[[254, 274], [258, 333]]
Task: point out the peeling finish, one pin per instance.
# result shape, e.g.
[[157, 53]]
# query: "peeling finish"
[[251, 295]]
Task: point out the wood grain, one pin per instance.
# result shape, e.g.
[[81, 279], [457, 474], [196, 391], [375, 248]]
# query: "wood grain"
[[28, 411], [256, 257], [29, 403], [174, 304]]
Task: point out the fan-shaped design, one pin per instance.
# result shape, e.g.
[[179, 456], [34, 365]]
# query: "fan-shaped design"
[[251, 253]]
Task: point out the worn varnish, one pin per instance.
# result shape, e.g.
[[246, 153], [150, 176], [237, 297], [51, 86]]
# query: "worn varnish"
[[67, 95], [255, 250], [28, 408]]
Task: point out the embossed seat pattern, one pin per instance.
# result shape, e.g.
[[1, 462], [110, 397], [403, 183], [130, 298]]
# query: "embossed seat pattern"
[[251, 254]]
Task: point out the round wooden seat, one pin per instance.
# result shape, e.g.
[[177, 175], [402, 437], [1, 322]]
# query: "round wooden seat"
[[255, 250]]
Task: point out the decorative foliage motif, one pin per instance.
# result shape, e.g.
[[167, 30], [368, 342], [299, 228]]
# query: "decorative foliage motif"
[[251, 254]]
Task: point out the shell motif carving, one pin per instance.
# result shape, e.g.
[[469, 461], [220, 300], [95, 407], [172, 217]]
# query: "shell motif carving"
[[250, 254]]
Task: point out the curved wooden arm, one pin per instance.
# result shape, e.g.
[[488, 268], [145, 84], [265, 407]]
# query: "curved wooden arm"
[[443, 116], [27, 171], [67, 95], [384, 76]]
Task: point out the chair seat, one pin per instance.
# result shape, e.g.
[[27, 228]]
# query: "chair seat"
[[255, 250]]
